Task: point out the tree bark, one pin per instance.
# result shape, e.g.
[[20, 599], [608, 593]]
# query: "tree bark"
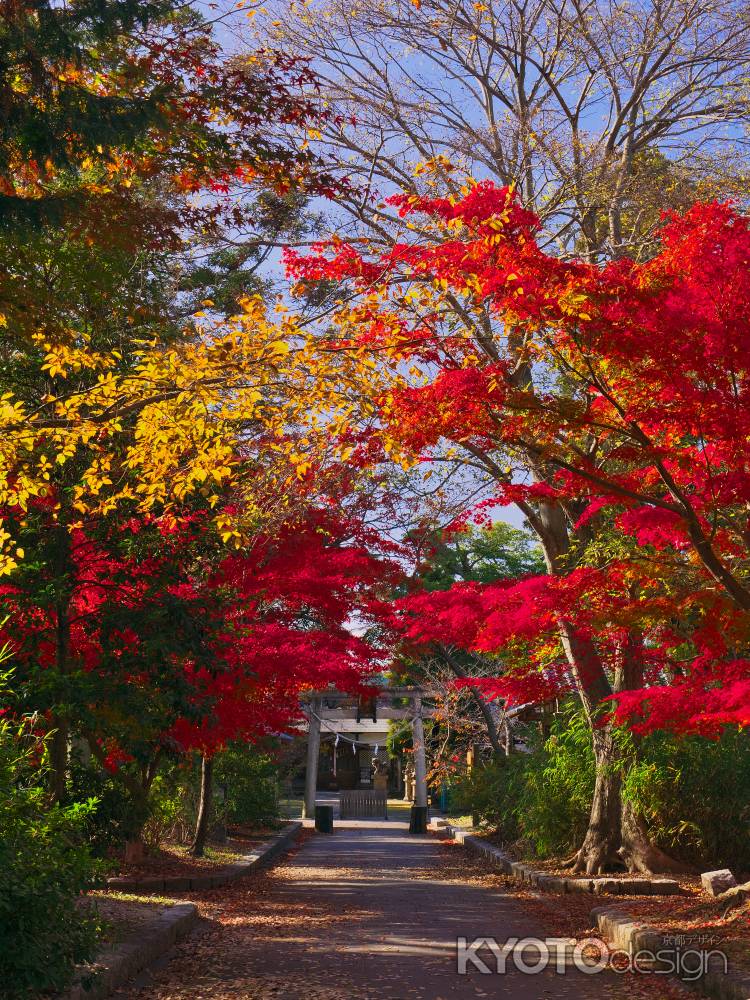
[[613, 837], [204, 808], [637, 850], [598, 852], [617, 836], [59, 744]]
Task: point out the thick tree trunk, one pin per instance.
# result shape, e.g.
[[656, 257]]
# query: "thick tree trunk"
[[204, 808], [617, 837], [614, 835], [637, 850], [599, 850]]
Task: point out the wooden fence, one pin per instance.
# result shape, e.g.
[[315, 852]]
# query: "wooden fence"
[[364, 804]]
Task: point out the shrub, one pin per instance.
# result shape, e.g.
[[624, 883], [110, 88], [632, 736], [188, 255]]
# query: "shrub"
[[172, 807], [558, 786], [245, 789], [693, 792], [695, 795], [44, 868], [487, 793], [250, 778], [117, 817], [542, 798]]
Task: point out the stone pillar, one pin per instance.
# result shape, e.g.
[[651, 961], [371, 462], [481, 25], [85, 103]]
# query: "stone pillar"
[[420, 763], [409, 782], [313, 752]]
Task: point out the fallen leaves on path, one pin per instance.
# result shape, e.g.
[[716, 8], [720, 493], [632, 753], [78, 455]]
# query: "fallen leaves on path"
[[277, 934]]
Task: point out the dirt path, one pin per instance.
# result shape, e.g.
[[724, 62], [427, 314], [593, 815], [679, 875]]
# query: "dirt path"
[[368, 913]]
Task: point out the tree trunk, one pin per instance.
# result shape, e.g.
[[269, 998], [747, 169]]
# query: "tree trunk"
[[507, 737], [58, 758], [59, 751], [637, 850], [599, 850], [204, 808], [615, 837]]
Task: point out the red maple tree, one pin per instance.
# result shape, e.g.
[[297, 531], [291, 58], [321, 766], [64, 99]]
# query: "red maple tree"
[[156, 642], [608, 403]]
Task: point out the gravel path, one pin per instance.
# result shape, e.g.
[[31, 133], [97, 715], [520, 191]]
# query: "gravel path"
[[369, 912]]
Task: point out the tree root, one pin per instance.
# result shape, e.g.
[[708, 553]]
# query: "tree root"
[[627, 849]]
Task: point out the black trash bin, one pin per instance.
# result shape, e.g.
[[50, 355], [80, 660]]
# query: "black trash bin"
[[418, 819], [324, 819]]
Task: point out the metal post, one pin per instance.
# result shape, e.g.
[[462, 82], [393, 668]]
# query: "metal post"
[[420, 764], [313, 752]]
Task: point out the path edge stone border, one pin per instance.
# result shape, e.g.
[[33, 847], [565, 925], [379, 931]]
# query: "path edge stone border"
[[622, 930], [262, 854], [557, 884], [115, 965]]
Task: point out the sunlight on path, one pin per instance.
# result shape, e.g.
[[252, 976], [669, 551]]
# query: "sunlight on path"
[[365, 913]]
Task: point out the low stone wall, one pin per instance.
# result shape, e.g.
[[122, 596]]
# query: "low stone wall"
[[622, 931], [261, 855], [619, 929], [116, 964], [551, 883]]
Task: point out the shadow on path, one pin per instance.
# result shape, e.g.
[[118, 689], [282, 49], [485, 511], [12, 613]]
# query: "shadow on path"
[[367, 912]]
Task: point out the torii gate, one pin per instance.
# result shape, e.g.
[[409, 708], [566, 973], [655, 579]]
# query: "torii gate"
[[329, 705]]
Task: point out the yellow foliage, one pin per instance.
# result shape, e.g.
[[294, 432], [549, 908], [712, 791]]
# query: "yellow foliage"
[[179, 419]]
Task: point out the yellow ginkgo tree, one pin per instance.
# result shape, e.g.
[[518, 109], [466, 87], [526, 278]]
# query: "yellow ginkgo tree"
[[152, 428]]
